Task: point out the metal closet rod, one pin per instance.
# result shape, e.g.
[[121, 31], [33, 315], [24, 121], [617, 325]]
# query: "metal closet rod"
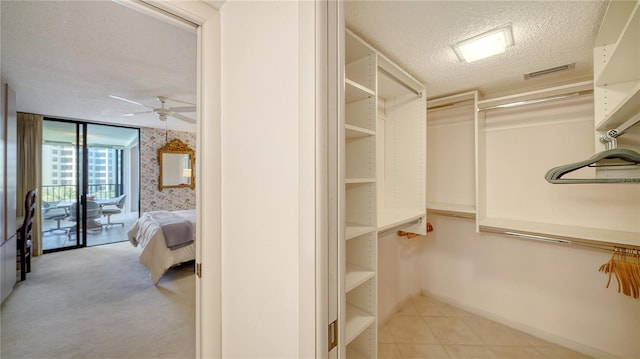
[[560, 241], [634, 120], [401, 83], [400, 226], [537, 100]]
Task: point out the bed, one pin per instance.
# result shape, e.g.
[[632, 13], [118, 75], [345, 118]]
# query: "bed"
[[148, 232]]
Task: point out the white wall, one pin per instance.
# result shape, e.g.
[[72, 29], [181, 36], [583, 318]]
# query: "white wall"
[[551, 291], [398, 272], [261, 179]]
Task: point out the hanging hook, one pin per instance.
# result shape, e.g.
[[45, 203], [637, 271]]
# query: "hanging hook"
[[410, 235]]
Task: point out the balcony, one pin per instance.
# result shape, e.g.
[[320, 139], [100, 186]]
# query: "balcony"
[[58, 231]]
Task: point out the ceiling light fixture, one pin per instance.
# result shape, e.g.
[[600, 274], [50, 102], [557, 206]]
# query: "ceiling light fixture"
[[490, 43]]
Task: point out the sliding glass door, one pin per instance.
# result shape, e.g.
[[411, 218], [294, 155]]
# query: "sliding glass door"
[[62, 175], [89, 184]]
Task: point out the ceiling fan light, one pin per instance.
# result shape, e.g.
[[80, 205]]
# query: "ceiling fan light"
[[488, 44]]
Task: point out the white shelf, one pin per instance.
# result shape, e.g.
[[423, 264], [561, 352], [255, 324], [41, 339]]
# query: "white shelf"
[[622, 64], [360, 180], [394, 81], [390, 218], [562, 233], [612, 26], [355, 91], [356, 276], [627, 104], [452, 210], [514, 197], [355, 230], [352, 131], [357, 322], [617, 65], [358, 254]]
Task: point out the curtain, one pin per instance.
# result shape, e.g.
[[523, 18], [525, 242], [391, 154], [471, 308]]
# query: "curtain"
[[29, 169]]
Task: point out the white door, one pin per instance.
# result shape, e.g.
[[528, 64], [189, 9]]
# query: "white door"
[[206, 21]]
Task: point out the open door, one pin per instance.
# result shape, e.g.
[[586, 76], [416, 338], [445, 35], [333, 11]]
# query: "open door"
[[205, 19]]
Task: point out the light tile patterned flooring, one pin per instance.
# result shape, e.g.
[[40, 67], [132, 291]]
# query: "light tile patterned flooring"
[[429, 329]]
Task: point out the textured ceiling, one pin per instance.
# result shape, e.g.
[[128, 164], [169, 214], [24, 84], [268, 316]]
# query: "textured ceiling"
[[418, 34], [64, 59]]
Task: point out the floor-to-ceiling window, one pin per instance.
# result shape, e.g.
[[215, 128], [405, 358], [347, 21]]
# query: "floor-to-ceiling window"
[[90, 183]]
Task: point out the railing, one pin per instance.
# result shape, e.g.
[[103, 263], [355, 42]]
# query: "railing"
[[57, 193]]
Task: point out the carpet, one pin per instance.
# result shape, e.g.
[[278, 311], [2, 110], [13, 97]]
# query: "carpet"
[[99, 302]]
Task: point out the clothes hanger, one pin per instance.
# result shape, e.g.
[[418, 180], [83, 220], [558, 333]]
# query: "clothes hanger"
[[630, 157], [609, 139]]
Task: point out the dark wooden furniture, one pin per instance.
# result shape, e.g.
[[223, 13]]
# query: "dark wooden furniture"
[[24, 233]]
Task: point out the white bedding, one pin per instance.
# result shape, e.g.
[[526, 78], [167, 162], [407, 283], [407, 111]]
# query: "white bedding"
[[155, 255]]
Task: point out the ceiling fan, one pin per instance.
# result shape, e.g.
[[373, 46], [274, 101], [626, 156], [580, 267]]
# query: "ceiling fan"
[[163, 111]]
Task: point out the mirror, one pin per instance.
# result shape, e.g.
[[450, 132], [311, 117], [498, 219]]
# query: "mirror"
[[177, 163]]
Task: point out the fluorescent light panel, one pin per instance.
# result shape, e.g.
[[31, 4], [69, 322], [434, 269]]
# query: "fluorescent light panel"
[[484, 45]]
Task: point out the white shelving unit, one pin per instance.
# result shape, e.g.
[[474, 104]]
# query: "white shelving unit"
[[401, 146], [358, 333], [384, 181], [451, 164], [517, 146], [617, 65]]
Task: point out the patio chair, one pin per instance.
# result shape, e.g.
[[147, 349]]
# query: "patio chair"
[[51, 212], [93, 212], [111, 209]]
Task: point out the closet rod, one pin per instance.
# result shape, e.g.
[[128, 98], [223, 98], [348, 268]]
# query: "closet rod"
[[537, 100], [451, 104], [554, 240], [452, 100], [400, 226], [634, 120], [401, 83]]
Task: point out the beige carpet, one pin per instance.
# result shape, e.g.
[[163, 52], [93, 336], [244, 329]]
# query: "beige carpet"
[[99, 302]]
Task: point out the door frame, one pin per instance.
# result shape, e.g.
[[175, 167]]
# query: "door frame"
[[81, 174], [319, 88]]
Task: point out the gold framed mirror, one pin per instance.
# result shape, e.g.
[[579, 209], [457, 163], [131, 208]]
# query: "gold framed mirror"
[[177, 165]]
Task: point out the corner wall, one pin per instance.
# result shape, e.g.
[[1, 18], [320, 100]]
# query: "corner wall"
[[551, 291], [170, 199], [262, 176]]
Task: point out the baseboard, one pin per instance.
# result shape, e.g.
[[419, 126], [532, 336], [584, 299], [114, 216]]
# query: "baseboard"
[[552, 338]]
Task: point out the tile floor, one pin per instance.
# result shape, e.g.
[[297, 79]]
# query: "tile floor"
[[429, 329]]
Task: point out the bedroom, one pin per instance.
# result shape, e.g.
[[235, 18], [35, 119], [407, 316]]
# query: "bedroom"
[[243, 266], [54, 54]]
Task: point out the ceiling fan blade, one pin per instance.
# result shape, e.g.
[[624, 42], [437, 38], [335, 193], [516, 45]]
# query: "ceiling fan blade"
[[182, 117], [136, 113], [184, 109], [127, 100], [178, 101]]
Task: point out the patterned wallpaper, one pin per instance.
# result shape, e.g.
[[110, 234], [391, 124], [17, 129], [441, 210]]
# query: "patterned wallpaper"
[[170, 199]]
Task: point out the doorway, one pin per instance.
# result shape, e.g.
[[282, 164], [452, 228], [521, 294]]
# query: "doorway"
[[90, 183]]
